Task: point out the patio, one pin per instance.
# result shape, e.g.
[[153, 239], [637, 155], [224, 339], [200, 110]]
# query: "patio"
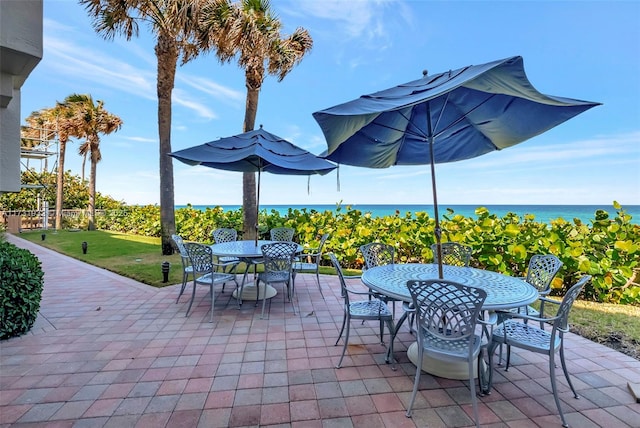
[[107, 351]]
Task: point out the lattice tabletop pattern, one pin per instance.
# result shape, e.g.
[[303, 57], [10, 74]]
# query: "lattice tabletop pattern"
[[503, 292]]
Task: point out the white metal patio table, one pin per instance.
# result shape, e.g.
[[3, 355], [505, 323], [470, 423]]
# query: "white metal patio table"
[[250, 252], [503, 292]]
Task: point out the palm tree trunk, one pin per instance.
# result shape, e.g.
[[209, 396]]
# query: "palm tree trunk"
[[92, 193], [60, 184], [167, 56], [84, 161], [249, 202]]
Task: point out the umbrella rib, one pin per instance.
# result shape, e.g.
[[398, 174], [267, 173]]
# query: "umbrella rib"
[[462, 116]]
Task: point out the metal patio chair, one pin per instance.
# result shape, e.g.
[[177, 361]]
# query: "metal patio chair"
[[282, 234], [372, 309], [540, 273], [309, 261], [447, 315], [187, 269], [515, 332], [453, 254], [278, 260], [378, 254], [221, 235], [205, 271]]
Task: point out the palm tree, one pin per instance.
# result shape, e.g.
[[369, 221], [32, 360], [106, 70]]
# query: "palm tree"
[[55, 120], [251, 30], [88, 120], [173, 23]]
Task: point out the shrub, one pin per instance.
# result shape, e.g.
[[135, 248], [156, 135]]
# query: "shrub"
[[21, 281], [608, 249]]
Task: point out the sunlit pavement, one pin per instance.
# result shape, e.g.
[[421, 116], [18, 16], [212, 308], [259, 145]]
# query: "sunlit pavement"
[[107, 351]]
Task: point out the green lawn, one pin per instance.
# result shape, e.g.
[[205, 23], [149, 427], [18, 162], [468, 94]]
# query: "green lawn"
[[140, 258]]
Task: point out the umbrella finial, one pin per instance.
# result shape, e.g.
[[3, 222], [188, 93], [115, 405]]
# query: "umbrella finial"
[[260, 126], [424, 73]]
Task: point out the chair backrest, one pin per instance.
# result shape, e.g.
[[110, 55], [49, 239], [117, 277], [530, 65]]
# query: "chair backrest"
[[446, 309], [541, 271], [184, 256], [377, 254], [282, 234], [279, 256], [201, 257], [343, 285], [562, 321], [320, 247], [453, 253], [224, 234]]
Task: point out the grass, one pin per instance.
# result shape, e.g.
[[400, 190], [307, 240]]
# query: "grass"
[[140, 258]]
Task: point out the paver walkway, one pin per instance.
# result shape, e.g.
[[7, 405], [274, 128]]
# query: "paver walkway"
[[107, 351]]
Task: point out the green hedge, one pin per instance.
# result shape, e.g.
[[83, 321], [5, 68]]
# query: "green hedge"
[[21, 281], [608, 248]]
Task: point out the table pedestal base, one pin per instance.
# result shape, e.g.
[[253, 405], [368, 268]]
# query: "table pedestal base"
[[249, 292], [449, 370]]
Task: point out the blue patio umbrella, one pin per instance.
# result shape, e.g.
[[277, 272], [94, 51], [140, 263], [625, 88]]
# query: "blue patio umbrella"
[[255, 151], [446, 117]]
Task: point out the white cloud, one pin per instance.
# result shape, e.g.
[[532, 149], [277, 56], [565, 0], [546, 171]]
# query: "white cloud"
[[184, 99], [220, 92], [69, 58]]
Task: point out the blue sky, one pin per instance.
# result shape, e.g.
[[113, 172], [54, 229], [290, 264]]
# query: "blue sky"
[[589, 50]]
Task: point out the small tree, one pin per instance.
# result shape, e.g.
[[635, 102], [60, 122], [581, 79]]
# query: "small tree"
[[88, 120], [250, 30]]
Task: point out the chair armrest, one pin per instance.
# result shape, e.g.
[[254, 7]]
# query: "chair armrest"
[[530, 318], [361, 293], [225, 264], [492, 320], [547, 300]]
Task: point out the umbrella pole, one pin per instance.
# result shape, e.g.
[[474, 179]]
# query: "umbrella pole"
[[437, 231], [257, 207]]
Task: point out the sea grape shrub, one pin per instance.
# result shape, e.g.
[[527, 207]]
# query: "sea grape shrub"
[[608, 248], [21, 282]]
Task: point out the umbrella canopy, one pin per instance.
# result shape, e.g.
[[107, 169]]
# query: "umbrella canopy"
[[446, 117], [255, 151]]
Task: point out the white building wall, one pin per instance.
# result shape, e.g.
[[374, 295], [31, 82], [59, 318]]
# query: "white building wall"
[[20, 52]]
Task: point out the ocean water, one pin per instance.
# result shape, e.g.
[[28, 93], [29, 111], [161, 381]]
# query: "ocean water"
[[542, 213]]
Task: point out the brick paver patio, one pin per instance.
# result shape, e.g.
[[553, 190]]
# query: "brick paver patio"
[[107, 351]]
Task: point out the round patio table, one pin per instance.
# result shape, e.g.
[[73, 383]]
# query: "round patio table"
[[503, 292], [249, 252]]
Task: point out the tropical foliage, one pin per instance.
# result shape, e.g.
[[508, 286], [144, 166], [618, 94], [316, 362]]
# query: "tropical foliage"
[[608, 248], [76, 193]]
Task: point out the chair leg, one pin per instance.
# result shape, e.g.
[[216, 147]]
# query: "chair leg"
[[566, 372], [346, 342], [344, 322], [213, 302], [193, 296], [291, 292], [554, 388], [319, 287], [391, 328], [474, 399], [184, 284], [264, 300], [416, 381]]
